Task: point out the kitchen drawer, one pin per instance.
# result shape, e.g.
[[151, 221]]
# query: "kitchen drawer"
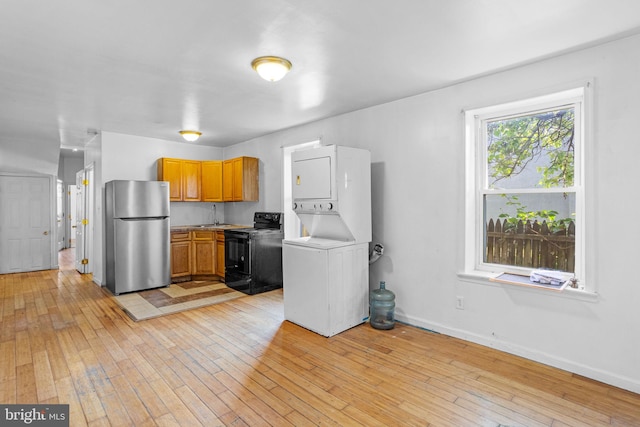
[[202, 235], [177, 236]]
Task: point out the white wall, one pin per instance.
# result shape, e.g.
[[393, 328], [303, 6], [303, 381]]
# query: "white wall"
[[270, 199], [68, 167], [140, 163], [24, 156], [131, 157], [135, 157], [417, 147]]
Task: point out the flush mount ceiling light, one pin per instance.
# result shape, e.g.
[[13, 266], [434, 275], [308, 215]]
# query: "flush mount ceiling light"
[[190, 135], [271, 68]]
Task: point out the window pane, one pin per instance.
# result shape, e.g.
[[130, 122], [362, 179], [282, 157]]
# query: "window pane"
[[530, 230], [531, 151]]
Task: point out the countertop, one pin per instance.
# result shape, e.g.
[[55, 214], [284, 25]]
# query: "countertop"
[[207, 227]]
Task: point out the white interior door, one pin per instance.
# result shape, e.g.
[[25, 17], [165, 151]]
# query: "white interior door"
[[26, 215], [81, 222], [84, 219], [61, 234], [71, 216]]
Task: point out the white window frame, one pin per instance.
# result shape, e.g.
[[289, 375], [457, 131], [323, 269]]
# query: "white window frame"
[[476, 177]]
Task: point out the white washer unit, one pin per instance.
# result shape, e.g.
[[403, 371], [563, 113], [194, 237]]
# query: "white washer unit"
[[326, 274]]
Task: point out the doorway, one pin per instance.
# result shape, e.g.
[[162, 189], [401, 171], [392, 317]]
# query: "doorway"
[[71, 216], [292, 226], [61, 229], [26, 219], [84, 193]]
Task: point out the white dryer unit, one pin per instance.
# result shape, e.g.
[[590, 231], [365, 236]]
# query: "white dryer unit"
[[331, 192], [326, 289]]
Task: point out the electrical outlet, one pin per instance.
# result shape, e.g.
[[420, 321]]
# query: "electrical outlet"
[[460, 303]]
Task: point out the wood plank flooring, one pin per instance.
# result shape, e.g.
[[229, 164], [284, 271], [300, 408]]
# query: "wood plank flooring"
[[238, 363]]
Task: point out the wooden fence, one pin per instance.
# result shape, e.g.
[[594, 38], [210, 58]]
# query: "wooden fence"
[[531, 245]]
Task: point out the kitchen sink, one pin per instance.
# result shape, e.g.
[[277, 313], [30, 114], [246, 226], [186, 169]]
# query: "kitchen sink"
[[213, 225]]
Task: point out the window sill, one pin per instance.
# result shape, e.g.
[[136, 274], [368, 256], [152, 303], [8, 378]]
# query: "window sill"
[[484, 278]]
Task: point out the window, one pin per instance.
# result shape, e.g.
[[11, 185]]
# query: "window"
[[525, 186]]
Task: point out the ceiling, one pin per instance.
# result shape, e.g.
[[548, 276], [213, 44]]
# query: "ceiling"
[[72, 68]]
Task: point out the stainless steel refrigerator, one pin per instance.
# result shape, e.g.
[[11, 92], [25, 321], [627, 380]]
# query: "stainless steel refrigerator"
[[137, 234]]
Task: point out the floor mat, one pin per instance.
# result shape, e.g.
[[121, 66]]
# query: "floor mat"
[[177, 297]]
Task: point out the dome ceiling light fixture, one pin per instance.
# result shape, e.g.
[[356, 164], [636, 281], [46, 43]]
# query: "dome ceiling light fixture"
[[190, 135], [271, 68]]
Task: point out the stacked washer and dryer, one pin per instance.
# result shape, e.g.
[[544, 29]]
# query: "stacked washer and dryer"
[[326, 274]]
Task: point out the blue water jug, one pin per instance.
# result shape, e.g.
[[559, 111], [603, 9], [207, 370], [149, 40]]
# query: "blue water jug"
[[381, 306]]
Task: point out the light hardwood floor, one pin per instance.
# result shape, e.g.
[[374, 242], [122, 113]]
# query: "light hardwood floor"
[[63, 340]]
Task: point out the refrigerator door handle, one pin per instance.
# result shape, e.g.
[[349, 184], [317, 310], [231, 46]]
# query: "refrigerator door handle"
[[146, 218]]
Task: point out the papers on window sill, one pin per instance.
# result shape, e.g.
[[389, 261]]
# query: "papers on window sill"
[[538, 279]]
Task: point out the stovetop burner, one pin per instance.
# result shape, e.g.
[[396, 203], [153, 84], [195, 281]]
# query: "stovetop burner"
[[268, 220], [264, 223], [254, 231]]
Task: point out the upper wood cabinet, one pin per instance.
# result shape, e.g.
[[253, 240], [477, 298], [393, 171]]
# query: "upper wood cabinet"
[[233, 180], [191, 180], [184, 177], [171, 170], [212, 181], [240, 179]]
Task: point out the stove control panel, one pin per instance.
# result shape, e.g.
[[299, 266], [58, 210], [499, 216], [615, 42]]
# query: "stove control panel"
[[318, 206], [272, 220]]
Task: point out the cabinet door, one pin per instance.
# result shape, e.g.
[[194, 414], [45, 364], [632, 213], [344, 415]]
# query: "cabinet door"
[[220, 254], [204, 252], [212, 181], [171, 170], [191, 180], [249, 177], [240, 179], [180, 259], [227, 180]]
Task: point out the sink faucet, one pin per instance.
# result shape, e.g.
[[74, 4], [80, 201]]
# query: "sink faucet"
[[215, 215]]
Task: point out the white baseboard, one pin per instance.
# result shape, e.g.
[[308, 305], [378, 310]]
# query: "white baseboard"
[[532, 354]]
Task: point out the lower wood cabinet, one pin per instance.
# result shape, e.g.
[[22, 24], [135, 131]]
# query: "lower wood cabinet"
[[197, 253], [203, 245], [220, 254], [180, 255]]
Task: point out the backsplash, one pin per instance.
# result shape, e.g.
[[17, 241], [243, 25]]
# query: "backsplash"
[[190, 213]]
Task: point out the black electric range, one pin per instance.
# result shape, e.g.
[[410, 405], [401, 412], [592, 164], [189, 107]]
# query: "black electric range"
[[253, 256]]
